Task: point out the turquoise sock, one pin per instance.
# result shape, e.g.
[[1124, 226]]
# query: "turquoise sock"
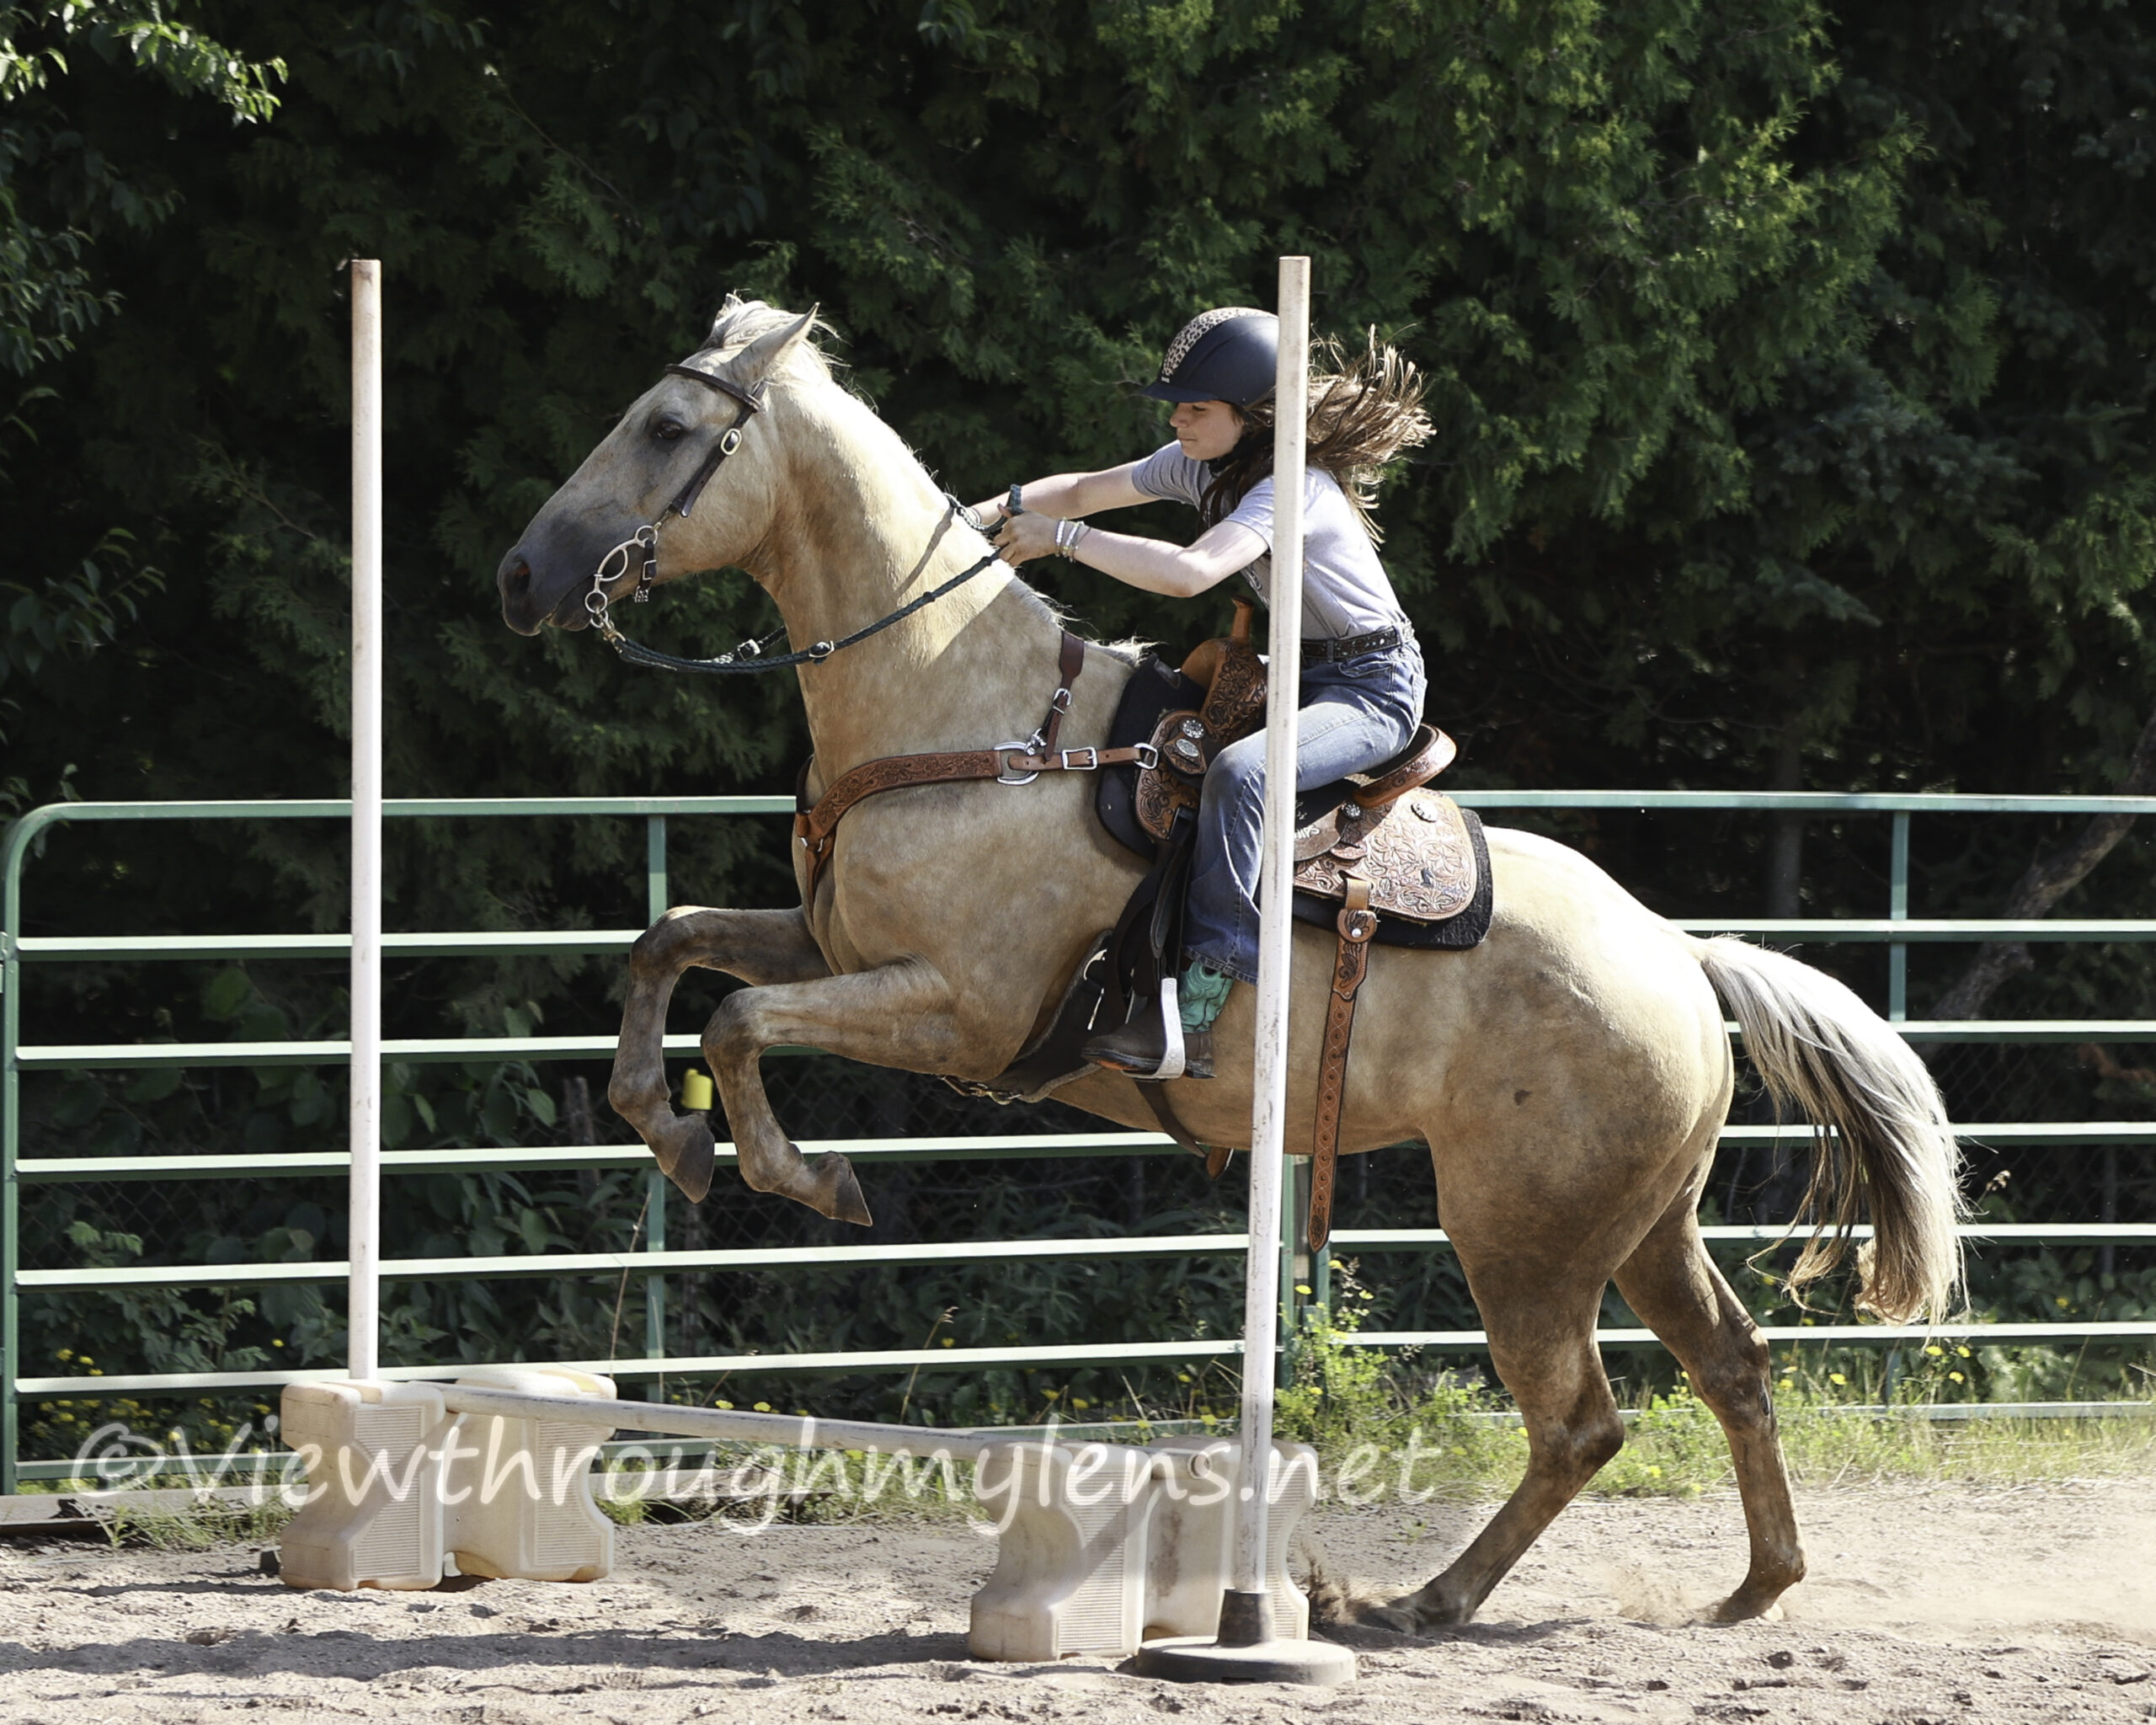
[[1202, 993]]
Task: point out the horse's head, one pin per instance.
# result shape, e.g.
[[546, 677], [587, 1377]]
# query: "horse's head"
[[647, 461]]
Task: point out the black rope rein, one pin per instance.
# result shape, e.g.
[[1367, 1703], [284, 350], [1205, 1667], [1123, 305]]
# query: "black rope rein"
[[750, 657]]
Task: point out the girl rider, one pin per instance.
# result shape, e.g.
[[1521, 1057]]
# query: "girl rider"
[[1362, 681]]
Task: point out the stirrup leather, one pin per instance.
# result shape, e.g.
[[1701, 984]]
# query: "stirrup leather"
[[1357, 923]]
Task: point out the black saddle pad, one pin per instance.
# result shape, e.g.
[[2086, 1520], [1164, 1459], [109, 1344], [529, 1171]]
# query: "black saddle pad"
[[1155, 688]]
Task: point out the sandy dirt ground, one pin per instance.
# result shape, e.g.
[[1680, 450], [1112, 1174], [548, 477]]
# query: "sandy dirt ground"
[[1934, 1605]]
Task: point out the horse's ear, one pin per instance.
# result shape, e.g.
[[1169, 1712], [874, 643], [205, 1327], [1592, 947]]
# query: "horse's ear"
[[763, 356]]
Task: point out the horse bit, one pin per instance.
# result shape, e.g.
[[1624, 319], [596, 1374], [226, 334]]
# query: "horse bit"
[[750, 656]]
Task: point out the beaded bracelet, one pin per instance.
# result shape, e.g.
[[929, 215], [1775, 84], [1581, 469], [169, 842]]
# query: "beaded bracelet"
[[1067, 535]]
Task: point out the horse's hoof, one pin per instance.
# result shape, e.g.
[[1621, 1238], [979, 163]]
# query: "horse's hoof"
[[842, 1199], [1420, 1613], [689, 1161], [1743, 1606]]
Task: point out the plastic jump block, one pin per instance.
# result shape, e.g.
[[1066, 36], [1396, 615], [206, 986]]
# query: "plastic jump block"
[[1105, 1547], [1101, 1547], [402, 1493]]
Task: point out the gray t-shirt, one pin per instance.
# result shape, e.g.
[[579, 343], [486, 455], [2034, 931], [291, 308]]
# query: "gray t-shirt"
[[1345, 589]]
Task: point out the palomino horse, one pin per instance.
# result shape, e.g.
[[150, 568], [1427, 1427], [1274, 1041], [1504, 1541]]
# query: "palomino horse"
[[1570, 1075]]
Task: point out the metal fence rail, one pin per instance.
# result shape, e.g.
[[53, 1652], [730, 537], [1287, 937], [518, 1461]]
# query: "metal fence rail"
[[1897, 931]]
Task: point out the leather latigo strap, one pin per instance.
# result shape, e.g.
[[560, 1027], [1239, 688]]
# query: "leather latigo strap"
[[815, 827], [1358, 922]]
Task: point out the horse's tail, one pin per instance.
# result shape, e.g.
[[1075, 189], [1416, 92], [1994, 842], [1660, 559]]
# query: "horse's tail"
[[1884, 1144]]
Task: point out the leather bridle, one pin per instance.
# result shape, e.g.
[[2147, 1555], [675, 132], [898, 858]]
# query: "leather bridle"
[[750, 656], [816, 824], [646, 537]]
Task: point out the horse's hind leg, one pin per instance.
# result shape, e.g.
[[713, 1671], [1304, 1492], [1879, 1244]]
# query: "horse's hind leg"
[[1540, 1320], [1675, 1287], [757, 946]]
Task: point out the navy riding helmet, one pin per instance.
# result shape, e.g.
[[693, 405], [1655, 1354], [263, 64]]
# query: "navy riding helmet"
[[1230, 354]]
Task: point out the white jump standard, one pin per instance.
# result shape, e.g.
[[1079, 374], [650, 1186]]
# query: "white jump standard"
[[1254, 1645]]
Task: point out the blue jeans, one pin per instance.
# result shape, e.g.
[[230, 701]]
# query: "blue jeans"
[[1354, 714]]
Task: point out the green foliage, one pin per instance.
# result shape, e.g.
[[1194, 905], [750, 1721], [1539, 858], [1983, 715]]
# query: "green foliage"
[[1724, 307], [1791, 369], [78, 612], [48, 296]]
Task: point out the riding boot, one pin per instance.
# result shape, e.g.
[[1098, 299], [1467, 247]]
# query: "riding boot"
[[1140, 1048]]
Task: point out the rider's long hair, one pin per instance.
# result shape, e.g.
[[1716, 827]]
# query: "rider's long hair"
[[1364, 411]]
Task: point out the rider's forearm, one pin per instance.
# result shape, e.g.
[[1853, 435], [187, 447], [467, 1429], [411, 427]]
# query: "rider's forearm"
[[1067, 496], [1180, 572]]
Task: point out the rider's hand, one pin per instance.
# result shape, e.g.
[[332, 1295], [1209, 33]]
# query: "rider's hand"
[[1020, 539], [990, 513]]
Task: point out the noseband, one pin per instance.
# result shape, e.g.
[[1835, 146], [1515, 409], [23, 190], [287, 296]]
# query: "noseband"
[[646, 537], [750, 656]]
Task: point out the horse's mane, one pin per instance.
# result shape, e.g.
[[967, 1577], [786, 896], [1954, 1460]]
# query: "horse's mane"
[[741, 321]]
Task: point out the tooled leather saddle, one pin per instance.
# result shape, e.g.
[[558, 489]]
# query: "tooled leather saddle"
[[1378, 857]]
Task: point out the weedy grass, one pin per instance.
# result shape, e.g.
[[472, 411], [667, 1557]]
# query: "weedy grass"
[[174, 1523], [1381, 1432], [1386, 1430], [198, 1527]]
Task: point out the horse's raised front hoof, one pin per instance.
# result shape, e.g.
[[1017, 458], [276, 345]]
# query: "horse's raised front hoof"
[[837, 1192], [687, 1154]]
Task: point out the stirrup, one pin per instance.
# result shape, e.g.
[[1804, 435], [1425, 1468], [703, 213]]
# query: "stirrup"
[[1130, 1051], [1171, 1058]]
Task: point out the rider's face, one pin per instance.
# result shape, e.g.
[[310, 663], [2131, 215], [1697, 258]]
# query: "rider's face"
[[1206, 429]]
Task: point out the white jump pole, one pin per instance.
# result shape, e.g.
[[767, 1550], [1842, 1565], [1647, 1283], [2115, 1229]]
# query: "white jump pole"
[[364, 1299], [1269, 1087], [1246, 1649]]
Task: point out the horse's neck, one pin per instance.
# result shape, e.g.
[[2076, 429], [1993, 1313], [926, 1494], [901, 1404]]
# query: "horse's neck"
[[864, 531]]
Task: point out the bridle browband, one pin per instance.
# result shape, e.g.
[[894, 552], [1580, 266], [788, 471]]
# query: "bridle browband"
[[750, 655]]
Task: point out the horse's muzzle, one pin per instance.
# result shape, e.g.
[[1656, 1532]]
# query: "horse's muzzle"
[[524, 605]]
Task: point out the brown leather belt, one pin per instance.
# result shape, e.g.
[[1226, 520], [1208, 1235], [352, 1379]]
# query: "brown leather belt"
[[815, 827], [1358, 922]]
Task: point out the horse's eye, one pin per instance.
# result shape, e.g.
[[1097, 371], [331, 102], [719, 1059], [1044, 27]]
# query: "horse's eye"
[[668, 429]]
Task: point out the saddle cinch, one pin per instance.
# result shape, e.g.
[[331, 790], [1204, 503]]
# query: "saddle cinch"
[[1378, 857]]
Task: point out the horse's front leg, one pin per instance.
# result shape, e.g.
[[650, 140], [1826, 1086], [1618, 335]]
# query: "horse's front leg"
[[757, 946], [899, 1014]]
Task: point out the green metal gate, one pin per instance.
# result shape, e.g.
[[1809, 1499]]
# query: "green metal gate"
[[1898, 930]]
